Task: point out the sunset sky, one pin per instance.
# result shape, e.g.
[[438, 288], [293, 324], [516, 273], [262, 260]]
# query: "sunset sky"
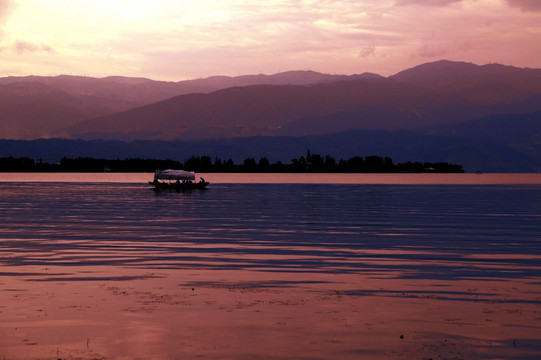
[[177, 40]]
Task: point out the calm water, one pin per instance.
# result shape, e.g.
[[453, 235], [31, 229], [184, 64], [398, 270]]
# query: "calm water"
[[452, 263]]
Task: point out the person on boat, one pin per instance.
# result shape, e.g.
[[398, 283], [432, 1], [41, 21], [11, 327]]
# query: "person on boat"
[[202, 181]]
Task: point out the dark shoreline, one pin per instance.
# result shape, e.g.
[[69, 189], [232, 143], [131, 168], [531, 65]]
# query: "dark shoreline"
[[311, 163]]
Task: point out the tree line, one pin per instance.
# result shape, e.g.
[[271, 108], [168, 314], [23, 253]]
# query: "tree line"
[[314, 163]]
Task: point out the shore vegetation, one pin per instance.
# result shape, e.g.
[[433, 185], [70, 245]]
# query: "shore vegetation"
[[311, 163]]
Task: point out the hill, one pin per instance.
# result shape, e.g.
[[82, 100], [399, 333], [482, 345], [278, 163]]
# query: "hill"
[[520, 132], [30, 110], [289, 103], [38, 106], [483, 117], [250, 110], [401, 146], [426, 96]]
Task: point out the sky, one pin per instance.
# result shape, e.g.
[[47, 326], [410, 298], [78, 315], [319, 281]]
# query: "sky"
[[177, 40]]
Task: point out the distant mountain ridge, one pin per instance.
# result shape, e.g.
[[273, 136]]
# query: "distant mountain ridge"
[[142, 91], [493, 108], [33, 104], [247, 111], [401, 146], [289, 103], [426, 96], [446, 73]]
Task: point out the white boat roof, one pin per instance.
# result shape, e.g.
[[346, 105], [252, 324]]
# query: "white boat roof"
[[171, 174]]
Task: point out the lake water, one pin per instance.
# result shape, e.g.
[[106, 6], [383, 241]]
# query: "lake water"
[[288, 266]]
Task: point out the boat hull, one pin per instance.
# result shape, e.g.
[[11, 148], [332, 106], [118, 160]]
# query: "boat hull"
[[202, 185]]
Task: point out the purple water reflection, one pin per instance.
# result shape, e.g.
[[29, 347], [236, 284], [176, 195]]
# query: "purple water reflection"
[[112, 270]]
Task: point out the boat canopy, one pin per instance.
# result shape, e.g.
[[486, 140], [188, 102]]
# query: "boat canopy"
[[174, 175]]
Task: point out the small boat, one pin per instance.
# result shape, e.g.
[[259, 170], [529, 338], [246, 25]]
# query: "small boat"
[[177, 180]]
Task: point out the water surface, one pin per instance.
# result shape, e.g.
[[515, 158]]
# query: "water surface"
[[294, 266]]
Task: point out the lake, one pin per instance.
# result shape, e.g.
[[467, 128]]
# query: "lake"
[[286, 266]]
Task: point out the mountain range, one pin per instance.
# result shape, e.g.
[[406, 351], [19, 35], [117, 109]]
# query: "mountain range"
[[484, 117]]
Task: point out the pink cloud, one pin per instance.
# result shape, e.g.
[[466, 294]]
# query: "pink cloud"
[[5, 10], [5, 6], [432, 51], [368, 51], [435, 3], [26, 46], [526, 5]]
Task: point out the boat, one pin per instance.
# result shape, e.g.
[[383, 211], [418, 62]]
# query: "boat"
[[177, 180]]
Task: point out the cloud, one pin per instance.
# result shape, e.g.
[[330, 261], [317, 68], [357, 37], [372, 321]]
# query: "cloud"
[[173, 40], [432, 51], [5, 8], [526, 5], [21, 47], [368, 51], [434, 3]]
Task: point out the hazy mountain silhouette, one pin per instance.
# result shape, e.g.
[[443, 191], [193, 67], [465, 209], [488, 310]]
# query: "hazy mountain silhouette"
[[256, 110], [141, 91], [29, 110], [491, 108], [401, 146], [432, 94], [462, 75], [520, 132], [34, 106], [503, 128]]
